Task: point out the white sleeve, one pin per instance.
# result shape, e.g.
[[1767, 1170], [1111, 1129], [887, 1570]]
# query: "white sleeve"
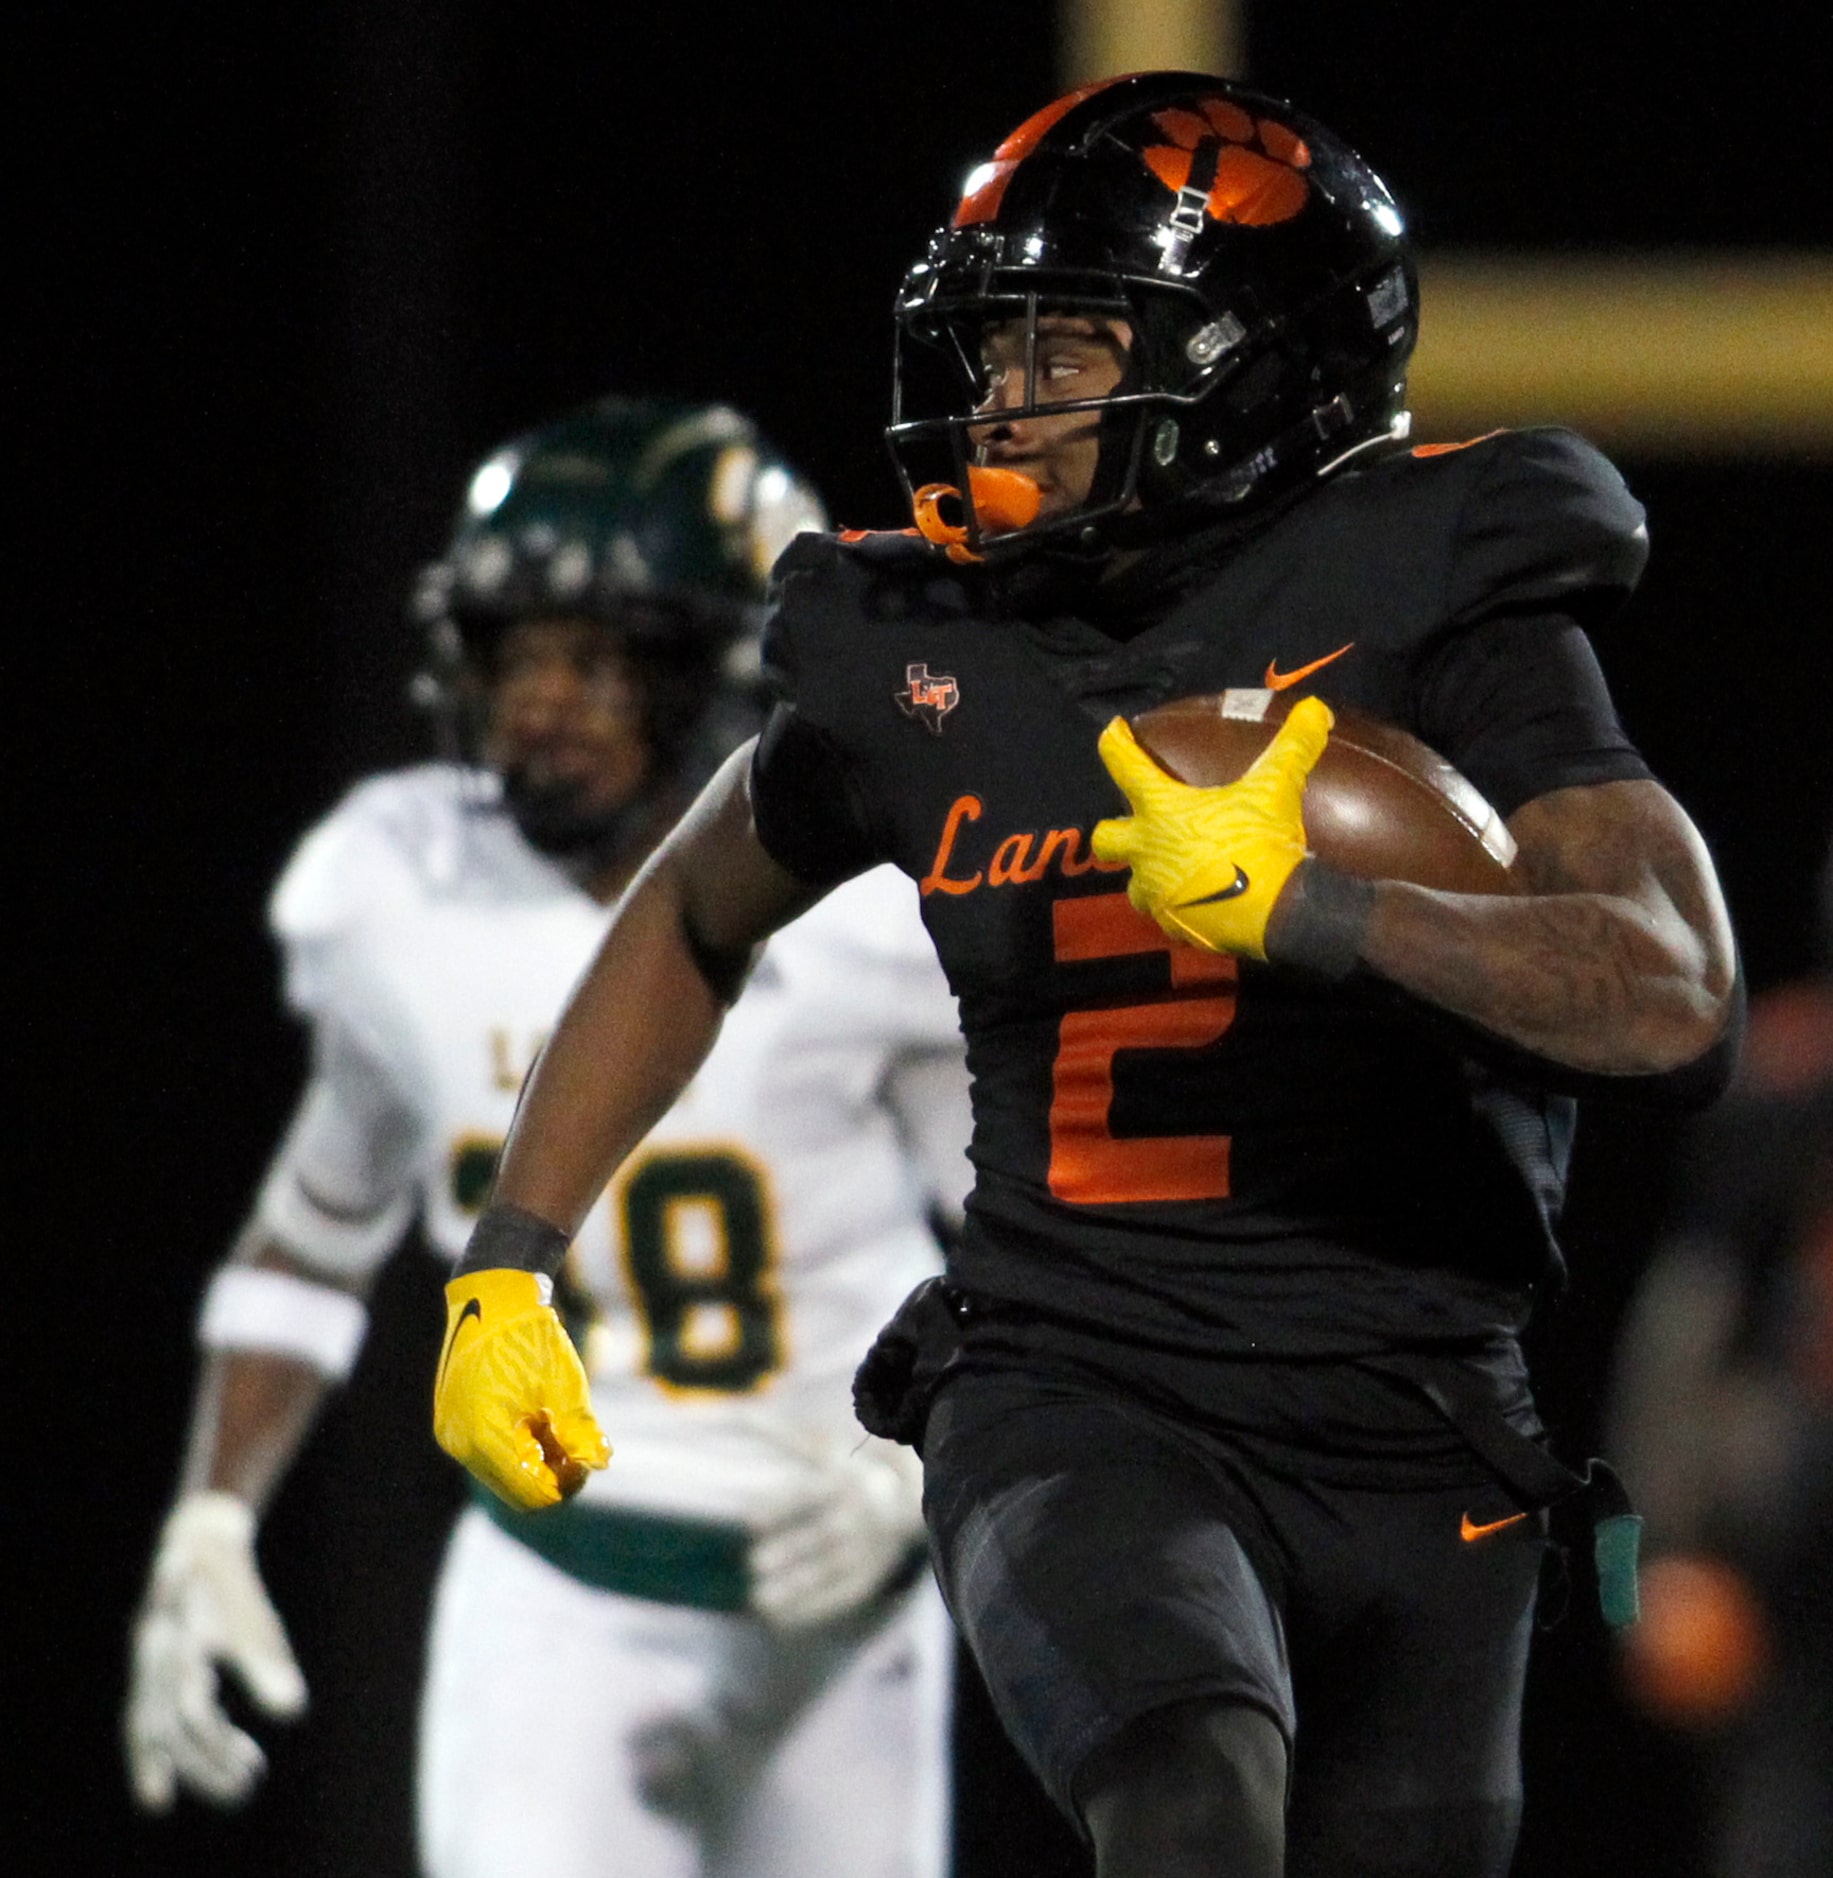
[[926, 1083], [927, 1093], [340, 1189]]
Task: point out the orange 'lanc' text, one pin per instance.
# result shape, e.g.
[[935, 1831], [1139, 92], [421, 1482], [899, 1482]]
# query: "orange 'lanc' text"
[[1017, 860]]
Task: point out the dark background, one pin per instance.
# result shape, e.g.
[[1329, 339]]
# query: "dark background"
[[280, 275]]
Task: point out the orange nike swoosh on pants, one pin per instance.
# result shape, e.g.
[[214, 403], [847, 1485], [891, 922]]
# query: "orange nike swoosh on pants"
[[1468, 1529]]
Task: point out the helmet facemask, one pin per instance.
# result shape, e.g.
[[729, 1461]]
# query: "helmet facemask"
[[1270, 320], [952, 422]]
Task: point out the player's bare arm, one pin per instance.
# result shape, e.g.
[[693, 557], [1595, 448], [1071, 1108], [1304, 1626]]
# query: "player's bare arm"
[[1618, 960], [510, 1398], [255, 1407], [206, 1612], [649, 1006]]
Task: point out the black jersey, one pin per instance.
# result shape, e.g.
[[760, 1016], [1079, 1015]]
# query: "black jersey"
[[1186, 1151]]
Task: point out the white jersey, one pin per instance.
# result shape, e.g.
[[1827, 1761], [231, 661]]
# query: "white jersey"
[[748, 1251]]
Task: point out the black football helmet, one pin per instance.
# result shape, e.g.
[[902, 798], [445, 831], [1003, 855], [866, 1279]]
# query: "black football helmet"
[[1261, 265], [659, 520]]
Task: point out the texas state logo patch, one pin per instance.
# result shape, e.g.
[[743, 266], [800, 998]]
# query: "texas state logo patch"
[[927, 697]]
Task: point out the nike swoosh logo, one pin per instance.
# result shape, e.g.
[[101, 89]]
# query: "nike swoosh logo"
[[1277, 680], [1233, 891], [472, 1309], [1469, 1530]]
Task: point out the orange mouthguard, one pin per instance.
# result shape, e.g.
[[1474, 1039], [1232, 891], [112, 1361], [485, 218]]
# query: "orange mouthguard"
[[1004, 501]]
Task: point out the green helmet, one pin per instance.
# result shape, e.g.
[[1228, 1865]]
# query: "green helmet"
[[661, 520]]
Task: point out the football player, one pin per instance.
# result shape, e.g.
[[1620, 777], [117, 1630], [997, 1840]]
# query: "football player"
[[726, 1654], [1233, 1477]]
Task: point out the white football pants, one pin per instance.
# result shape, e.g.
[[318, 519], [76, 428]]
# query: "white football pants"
[[547, 1700]]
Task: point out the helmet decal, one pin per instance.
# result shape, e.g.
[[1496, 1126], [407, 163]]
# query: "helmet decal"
[[569, 572], [625, 564], [1249, 185], [707, 428], [729, 486]]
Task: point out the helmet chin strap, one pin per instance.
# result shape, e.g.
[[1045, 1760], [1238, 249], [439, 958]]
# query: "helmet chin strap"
[[1399, 429], [1259, 474], [1239, 494]]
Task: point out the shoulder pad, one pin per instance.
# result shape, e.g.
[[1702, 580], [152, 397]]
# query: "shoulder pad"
[[1544, 520], [890, 547], [806, 551], [828, 591], [386, 842], [869, 546]]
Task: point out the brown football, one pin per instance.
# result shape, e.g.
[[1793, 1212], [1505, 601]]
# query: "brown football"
[[1379, 803]]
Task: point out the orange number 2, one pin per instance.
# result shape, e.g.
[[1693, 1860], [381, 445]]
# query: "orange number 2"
[[1089, 1164]]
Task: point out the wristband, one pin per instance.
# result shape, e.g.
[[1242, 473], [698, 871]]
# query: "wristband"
[[249, 1307], [506, 1238], [1320, 922]]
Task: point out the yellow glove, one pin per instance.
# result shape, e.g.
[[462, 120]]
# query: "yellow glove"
[[1208, 864], [511, 1401]]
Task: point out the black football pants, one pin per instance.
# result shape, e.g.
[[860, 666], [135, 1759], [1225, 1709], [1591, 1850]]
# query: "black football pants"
[[1103, 1562]]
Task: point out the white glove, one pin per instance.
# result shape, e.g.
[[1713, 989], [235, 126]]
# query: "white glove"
[[205, 1605], [837, 1543]]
